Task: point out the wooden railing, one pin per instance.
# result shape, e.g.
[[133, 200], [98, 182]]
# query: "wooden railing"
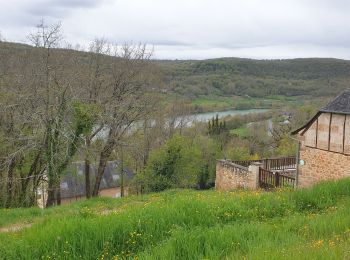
[[282, 163], [246, 163], [270, 180], [272, 172], [285, 163]]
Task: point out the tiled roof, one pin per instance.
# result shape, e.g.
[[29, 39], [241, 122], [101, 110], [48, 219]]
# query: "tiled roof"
[[341, 104]]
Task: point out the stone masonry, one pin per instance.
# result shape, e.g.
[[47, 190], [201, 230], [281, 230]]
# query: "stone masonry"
[[322, 165], [230, 176]]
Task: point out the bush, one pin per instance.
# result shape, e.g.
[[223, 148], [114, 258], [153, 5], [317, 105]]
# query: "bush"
[[182, 163]]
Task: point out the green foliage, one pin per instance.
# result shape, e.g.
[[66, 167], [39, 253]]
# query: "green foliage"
[[241, 132], [286, 147], [182, 163], [204, 103], [240, 153], [174, 165], [85, 116], [210, 151], [241, 120], [215, 127], [257, 78], [304, 224]]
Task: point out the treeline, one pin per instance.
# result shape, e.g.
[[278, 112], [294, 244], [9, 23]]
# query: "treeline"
[[257, 78], [234, 76]]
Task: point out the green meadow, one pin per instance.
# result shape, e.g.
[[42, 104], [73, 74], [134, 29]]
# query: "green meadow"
[[187, 224]]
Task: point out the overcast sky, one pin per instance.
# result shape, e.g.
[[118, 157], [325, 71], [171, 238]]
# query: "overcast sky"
[[197, 29]]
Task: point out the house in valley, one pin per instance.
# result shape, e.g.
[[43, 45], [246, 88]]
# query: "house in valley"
[[325, 143], [73, 181], [73, 187]]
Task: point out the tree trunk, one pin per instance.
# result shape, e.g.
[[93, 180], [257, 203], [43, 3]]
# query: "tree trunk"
[[51, 198], [10, 182], [50, 147], [87, 170], [101, 168], [122, 173], [30, 176], [105, 154], [58, 192], [87, 178]]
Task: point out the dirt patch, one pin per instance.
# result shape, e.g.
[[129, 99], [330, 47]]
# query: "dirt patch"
[[15, 228]]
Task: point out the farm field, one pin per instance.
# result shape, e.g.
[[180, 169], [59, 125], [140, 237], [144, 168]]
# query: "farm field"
[[219, 103], [185, 224]]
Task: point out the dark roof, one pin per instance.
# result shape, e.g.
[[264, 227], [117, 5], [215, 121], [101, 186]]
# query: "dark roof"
[[340, 105], [73, 181]]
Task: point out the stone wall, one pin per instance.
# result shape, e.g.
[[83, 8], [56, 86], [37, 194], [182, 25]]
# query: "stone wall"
[[322, 165], [230, 176]]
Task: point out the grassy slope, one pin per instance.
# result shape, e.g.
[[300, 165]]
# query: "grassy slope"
[[241, 132], [219, 103], [307, 224]]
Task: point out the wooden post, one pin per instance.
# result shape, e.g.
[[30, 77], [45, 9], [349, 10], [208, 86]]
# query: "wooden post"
[[277, 179], [297, 169], [122, 172]]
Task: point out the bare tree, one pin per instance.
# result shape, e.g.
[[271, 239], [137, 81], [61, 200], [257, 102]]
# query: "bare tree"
[[127, 99], [95, 89], [63, 118], [55, 102], [178, 116]]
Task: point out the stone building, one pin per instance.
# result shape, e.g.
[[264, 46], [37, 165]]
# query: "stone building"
[[325, 143]]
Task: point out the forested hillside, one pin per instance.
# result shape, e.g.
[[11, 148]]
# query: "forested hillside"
[[258, 78], [236, 76]]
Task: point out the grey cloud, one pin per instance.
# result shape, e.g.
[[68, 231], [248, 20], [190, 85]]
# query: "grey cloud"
[[202, 28], [77, 3], [167, 42], [61, 8]]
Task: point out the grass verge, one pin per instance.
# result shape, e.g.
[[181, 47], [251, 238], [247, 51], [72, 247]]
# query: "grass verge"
[[184, 224]]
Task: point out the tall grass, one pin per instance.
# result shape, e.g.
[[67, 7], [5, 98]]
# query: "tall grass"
[[187, 224]]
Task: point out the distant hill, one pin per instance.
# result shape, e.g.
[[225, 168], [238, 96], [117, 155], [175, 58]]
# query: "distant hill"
[[258, 78], [236, 76]]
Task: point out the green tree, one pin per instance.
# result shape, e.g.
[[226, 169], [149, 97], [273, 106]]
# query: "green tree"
[[177, 164]]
